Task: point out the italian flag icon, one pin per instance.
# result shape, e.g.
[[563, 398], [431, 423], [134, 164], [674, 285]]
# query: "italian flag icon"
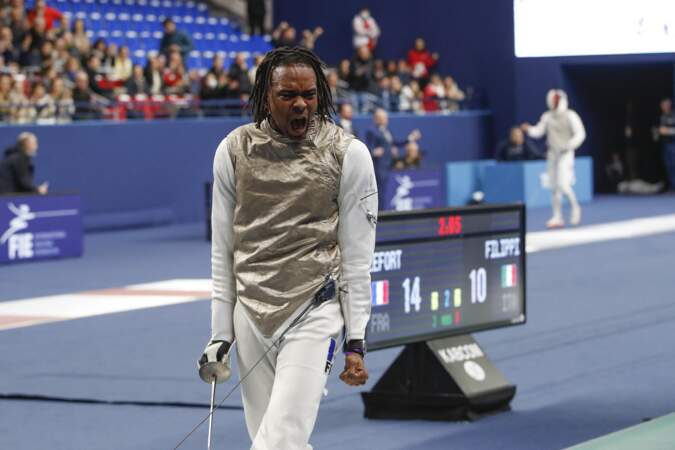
[[509, 275]]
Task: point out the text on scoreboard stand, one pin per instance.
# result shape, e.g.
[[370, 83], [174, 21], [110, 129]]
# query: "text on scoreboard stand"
[[443, 272]]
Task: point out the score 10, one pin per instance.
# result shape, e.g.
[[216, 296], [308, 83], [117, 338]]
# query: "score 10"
[[449, 225]]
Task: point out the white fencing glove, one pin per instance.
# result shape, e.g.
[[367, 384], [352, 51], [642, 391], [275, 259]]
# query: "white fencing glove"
[[215, 362]]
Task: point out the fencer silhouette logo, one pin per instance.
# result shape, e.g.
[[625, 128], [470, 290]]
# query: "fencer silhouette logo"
[[20, 245], [402, 200]]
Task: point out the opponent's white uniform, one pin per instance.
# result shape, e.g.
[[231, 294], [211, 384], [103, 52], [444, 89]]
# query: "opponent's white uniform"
[[564, 134], [281, 395]]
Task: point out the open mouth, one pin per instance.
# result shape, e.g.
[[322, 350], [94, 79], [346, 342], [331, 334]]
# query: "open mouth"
[[299, 125]]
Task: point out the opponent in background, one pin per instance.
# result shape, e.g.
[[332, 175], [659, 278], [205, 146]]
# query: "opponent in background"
[[564, 134]]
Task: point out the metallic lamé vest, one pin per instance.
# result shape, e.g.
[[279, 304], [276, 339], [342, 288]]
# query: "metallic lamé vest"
[[285, 218]]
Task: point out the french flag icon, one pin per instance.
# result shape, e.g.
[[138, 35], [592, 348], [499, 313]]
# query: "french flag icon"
[[380, 292]]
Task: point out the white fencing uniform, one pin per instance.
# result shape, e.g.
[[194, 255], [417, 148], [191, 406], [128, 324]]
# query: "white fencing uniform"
[[315, 200], [564, 134]]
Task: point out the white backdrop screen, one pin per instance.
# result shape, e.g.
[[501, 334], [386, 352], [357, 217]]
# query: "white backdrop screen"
[[593, 27]]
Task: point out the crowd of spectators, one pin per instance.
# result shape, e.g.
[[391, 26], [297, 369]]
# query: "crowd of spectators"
[[52, 72]]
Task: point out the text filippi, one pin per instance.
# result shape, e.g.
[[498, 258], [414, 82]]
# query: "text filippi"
[[502, 248]]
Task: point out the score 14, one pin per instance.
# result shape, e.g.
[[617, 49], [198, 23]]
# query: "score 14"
[[449, 225], [411, 293]]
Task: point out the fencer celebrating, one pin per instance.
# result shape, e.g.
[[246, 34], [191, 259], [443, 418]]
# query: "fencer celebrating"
[[564, 134], [294, 215]]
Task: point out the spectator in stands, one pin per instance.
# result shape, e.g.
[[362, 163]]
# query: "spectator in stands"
[[453, 94], [404, 72], [366, 30], [72, 67], [391, 68], [346, 114], [344, 72], [63, 30], [137, 83], [61, 55], [411, 97], [96, 77], [17, 169], [434, 94], [212, 94], [5, 97], [174, 39], [21, 111], [338, 88], [47, 55], [412, 159], [239, 71], [108, 60], [47, 13], [63, 100], [384, 95], [81, 42], [154, 69], [309, 38], [123, 66], [283, 36], [32, 43], [19, 25], [421, 61], [256, 11], [8, 52], [86, 101], [99, 48], [43, 109], [383, 148], [516, 147], [217, 65], [361, 74], [379, 70], [174, 79], [395, 94]]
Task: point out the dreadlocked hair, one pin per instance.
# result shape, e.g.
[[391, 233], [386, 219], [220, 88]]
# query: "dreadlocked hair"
[[286, 56]]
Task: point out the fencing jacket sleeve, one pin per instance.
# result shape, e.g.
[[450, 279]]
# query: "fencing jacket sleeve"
[[357, 201], [222, 211]]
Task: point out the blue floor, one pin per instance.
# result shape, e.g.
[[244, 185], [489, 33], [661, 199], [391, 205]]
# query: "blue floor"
[[594, 357]]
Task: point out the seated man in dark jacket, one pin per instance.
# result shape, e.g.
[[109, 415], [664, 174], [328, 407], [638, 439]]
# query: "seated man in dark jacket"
[[516, 148], [16, 170]]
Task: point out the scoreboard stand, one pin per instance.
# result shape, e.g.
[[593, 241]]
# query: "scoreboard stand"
[[442, 379]]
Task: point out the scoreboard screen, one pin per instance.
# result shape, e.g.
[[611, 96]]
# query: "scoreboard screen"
[[443, 272]]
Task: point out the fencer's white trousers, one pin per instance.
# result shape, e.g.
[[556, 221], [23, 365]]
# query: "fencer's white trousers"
[[281, 395], [560, 168]]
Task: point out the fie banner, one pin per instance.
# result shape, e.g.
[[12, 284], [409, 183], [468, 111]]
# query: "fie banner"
[[35, 227], [412, 189]]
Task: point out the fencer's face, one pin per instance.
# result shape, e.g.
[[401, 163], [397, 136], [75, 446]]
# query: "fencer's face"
[[555, 102], [292, 99]]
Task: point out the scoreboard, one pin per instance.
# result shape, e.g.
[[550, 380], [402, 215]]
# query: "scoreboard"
[[444, 272]]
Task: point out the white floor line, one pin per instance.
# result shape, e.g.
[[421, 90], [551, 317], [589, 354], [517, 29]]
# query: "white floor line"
[[33, 311], [626, 229]]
